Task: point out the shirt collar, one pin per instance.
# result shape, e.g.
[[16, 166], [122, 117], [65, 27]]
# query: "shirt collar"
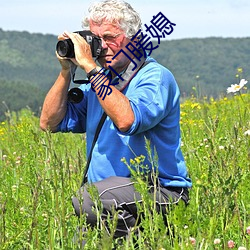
[[128, 73]]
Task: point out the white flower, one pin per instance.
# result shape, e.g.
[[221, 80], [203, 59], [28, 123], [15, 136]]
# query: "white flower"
[[22, 210], [192, 240], [246, 133], [217, 241], [242, 248], [237, 87]]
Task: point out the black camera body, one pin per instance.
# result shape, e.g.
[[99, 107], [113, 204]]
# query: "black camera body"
[[65, 48]]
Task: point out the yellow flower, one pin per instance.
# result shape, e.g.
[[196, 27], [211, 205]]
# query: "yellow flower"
[[132, 162], [240, 70], [138, 160], [195, 105]]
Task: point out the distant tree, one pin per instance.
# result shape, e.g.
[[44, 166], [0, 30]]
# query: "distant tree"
[[203, 67], [17, 95]]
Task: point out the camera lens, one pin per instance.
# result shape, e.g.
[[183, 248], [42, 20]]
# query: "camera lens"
[[65, 48], [75, 95]]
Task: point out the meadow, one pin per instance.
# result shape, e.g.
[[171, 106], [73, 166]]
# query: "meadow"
[[40, 172]]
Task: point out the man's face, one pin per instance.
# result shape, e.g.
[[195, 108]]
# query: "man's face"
[[113, 40]]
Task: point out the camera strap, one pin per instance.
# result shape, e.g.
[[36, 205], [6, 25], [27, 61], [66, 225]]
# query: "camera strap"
[[97, 132], [99, 127]]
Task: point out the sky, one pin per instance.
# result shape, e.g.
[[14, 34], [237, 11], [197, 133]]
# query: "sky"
[[193, 18]]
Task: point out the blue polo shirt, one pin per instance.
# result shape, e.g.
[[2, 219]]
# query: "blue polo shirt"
[[154, 97]]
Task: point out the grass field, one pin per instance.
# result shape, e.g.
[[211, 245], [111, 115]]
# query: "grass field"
[[40, 172]]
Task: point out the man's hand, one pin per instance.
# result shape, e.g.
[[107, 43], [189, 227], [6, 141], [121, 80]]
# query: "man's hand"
[[83, 54], [66, 63]]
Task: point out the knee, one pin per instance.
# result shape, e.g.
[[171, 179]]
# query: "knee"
[[77, 206], [84, 205]]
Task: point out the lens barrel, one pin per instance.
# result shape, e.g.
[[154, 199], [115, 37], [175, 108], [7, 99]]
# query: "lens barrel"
[[65, 48], [75, 95]]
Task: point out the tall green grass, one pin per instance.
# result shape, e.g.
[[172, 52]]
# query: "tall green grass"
[[40, 172]]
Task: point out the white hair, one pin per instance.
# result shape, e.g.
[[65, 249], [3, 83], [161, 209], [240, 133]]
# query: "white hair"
[[117, 12]]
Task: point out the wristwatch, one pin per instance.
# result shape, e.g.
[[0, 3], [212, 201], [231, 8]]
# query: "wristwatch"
[[91, 73]]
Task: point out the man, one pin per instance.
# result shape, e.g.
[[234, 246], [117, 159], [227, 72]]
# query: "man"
[[142, 104]]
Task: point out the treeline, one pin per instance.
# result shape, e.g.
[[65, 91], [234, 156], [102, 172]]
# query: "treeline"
[[204, 67], [28, 68], [210, 64], [16, 95]]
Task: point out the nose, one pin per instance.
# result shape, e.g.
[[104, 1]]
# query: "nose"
[[104, 44]]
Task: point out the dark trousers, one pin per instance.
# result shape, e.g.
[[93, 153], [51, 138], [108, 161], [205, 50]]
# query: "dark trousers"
[[119, 194]]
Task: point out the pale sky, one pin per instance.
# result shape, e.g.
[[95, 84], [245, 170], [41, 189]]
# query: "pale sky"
[[193, 18]]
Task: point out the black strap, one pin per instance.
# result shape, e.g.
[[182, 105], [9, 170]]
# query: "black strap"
[[97, 132]]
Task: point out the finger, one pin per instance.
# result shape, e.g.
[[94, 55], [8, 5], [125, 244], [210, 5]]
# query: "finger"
[[75, 37], [69, 34], [61, 38], [66, 33], [67, 59], [59, 57]]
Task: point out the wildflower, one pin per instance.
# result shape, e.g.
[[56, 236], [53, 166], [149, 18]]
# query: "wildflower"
[[195, 106], [45, 216], [242, 248], [247, 133], [14, 188], [237, 87], [198, 182], [240, 70], [123, 159], [248, 230], [137, 159], [192, 240], [230, 244], [132, 162], [22, 210], [221, 147], [216, 241]]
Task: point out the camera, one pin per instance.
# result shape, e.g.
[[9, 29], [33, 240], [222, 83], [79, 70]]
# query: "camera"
[[65, 48]]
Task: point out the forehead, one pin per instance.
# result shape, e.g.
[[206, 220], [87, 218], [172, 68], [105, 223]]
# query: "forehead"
[[104, 27]]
